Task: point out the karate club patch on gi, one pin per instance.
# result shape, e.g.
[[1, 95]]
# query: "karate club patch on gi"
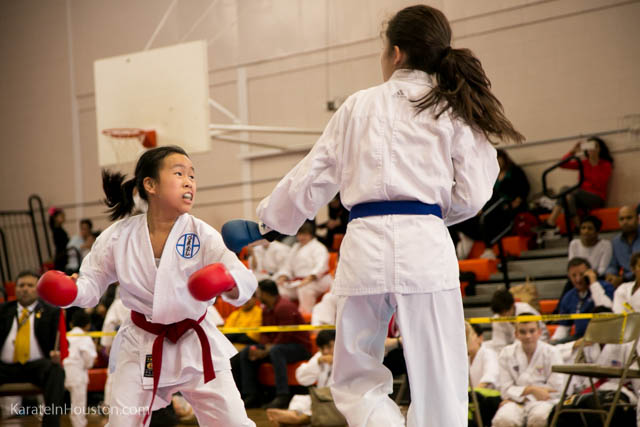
[[148, 367], [188, 245]]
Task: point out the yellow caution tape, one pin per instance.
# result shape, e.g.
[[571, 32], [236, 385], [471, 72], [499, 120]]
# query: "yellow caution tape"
[[299, 328]]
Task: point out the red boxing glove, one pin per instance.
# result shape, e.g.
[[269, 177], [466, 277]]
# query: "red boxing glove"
[[57, 288], [210, 281]]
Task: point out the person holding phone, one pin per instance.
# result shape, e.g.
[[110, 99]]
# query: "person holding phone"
[[592, 193]]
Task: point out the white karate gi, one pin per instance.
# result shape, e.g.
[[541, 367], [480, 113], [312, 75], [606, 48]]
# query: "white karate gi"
[[310, 373], [516, 373], [598, 255], [82, 353], [324, 312], [269, 258], [623, 295], [303, 261], [504, 333], [484, 368], [376, 148], [123, 253]]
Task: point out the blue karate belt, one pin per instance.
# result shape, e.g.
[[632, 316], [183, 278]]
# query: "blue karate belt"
[[394, 207]]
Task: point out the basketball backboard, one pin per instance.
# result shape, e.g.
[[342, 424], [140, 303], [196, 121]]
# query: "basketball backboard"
[[165, 90]]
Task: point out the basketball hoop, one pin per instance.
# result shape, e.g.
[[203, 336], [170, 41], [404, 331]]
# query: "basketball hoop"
[[146, 137], [128, 143]]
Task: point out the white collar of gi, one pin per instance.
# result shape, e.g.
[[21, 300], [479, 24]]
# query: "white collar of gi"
[[412, 75]]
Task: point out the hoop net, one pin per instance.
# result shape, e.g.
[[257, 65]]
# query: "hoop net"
[[129, 143]]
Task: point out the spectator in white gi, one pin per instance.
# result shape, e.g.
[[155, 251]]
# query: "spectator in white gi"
[[590, 246], [82, 354], [267, 258], [316, 371], [504, 305], [626, 297], [304, 275], [483, 361], [526, 383]]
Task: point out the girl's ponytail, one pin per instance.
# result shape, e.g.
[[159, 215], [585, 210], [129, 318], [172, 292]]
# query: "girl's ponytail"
[[424, 35], [118, 194]]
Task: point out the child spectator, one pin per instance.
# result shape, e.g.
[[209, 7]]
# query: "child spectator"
[[526, 383], [303, 276], [504, 305], [627, 298], [267, 258], [248, 315], [483, 361], [316, 371], [590, 246], [82, 353]]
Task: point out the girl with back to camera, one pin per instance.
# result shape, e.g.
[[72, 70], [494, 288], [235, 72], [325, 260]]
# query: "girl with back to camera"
[[409, 157], [159, 257]]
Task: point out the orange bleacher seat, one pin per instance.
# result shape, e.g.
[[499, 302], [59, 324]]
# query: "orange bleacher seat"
[[513, 245], [476, 250], [306, 317], [224, 308], [548, 305], [551, 329], [337, 241], [97, 379], [483, 268], [609, 218], [333, 263]]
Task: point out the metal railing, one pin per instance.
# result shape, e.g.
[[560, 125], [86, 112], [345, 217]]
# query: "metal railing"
[[562, 195], [497, 239]]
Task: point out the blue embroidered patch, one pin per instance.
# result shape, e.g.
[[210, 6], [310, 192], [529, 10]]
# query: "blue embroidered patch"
[[188, 245]]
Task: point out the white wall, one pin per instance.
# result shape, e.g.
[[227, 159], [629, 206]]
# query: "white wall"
[[563, 67]]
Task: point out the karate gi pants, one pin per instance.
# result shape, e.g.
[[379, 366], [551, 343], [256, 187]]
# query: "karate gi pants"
[[76, 382], [433, 338], [531, 414], [216, 403]]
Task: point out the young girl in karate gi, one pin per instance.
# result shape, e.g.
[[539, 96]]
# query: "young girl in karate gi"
[[153, 255], [409, 157]]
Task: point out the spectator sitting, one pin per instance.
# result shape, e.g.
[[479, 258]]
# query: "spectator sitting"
[[248, 315], [511, 185], [81, 243], [590, 246], [60, 238], [316, 371], [592, 194], [587, 293], [28, 330], [267, 258], [504, 305], [626, 297], [624, 244], [337, 223], [303, 276], [525, 381], [279, 348], [483, 361], [82, 353]]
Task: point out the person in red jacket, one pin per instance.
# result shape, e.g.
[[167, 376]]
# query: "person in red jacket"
[[592, 194]]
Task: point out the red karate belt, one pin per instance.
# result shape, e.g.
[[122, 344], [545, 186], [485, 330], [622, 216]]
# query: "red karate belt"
[[173, 332]]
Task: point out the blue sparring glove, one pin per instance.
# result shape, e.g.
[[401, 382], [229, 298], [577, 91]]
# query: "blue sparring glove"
[[238, 233]]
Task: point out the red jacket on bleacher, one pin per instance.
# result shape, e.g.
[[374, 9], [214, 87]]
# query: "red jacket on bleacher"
[[284, 312], [596, 178]]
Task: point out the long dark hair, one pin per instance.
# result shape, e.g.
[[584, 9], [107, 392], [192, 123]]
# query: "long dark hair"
[[119, 193], [605, 154], [424, 35]]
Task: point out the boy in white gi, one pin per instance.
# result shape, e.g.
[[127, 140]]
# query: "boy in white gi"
[[526, 383], [504, 333], [483, 361], [304, 276], [267, 258], [82, 354], [316, 371], [153, 256], [409, 157]]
